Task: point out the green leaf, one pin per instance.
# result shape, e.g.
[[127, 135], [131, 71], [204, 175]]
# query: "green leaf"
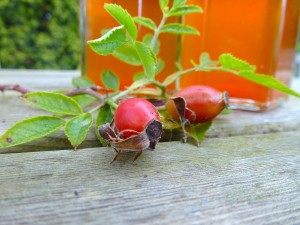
[[206, 61], [76, 129], [268, 81], [138, 76], [178, 3], [123, 17], [54, 102], [147, 58], [82, 82], [198, 131], [160, 64], [164, 5], [184, 10], [228, 61], [30, 130], [110, 80], [176, 28], [109, 42], [226, 111], [146, 22], [127, 53], [104, 116], [147, 40], [172, 78], [83, 100]]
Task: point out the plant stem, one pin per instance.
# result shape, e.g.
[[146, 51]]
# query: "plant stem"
[[90, 91], [14, 87], [134, 86], [157, 31], [160, 86]]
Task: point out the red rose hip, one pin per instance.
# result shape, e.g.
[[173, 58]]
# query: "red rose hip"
[[134, 114], [203, 103]]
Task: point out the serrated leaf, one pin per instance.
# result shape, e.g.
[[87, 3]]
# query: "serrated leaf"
[[109, 42], [82, 82], [176, 28], [30, 129], [127, 53], [146, 22], [228, 61], [77, 128], [177, 3], [198, 131], [163, 4], [54, 102], [268, 81], [123, 17], [110, 80], [184, 10], [147, 58], [206, 61], [147, 40], [104, 116], [84, 100]]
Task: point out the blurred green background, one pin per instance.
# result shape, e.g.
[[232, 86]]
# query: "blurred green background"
[[39, 34]]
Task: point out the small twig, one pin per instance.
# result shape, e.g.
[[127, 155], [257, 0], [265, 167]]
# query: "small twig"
[[90, 91], [14, 87]]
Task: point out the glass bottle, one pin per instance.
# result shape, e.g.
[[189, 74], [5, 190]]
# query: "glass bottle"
[[262, 32], [94, 19]]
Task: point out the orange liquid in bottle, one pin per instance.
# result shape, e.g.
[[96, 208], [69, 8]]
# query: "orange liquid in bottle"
[[97, 19], [250, 30], [287, 50]]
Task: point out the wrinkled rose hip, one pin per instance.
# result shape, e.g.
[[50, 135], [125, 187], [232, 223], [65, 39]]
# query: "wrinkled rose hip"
[[134, 114], [204, 102]]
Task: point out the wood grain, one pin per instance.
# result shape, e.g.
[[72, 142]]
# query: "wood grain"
[[281, 119], [250, 179]]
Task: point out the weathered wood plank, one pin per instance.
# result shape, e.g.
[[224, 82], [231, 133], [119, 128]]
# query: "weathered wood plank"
[[252, 179], [284, 118], [14, 109]]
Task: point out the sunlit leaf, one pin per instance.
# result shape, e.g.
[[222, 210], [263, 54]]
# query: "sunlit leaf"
[[268, 81], [77, 128], [110, 80], [198, 131], [104, 116], [147, 58], [30, 129], [228, 61], [54, 102], [127, 53], [146, 22], [82, 82], [109, 42], [176, 28], [84, 100], [184, 10], [123, 17]]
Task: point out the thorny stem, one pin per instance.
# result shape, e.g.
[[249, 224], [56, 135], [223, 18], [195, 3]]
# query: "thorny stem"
[[14, 87]]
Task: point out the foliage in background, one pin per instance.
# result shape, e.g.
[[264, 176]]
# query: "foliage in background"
[[39, 34]]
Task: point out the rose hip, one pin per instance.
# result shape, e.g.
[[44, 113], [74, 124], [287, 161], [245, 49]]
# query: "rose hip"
[[133, 115], [203, 103]]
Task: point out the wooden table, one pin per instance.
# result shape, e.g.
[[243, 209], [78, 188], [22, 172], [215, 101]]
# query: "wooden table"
[[247, 171]]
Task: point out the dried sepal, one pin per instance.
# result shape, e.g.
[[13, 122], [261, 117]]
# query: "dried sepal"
[[144, 140], [181, 107]]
